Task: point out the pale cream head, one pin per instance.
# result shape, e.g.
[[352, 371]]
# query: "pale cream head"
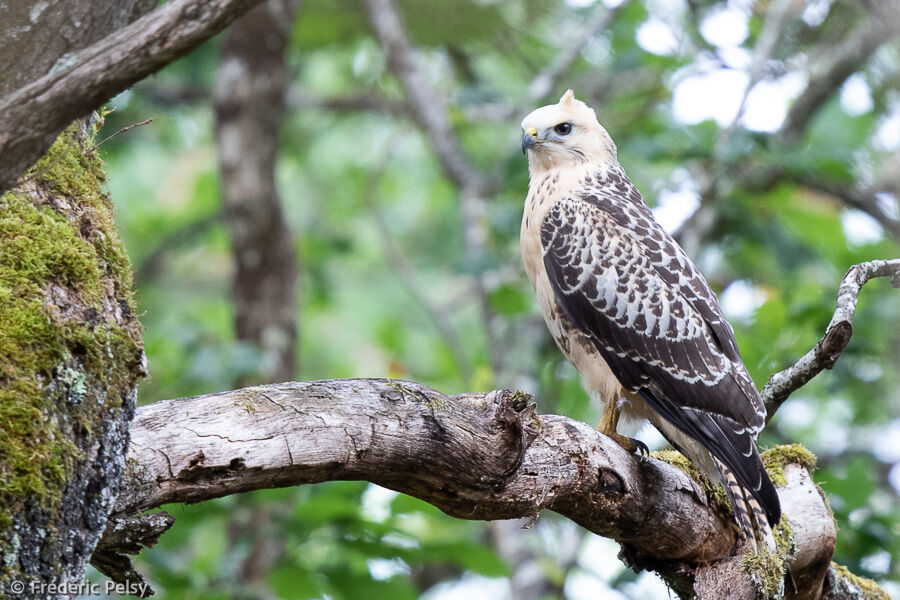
[[565, 134]]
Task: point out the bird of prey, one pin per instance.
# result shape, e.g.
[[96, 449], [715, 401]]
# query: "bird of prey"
[[633, 314]]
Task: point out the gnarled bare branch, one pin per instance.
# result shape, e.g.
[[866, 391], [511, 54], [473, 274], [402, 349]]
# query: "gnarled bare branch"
[[475, 456], [837, 334]]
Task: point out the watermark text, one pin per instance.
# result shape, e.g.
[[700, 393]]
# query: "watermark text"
[[85, 588]]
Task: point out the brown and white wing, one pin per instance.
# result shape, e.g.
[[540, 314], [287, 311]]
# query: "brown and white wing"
[[622, 280]]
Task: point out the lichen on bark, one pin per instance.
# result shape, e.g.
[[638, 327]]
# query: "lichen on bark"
[[70, 357], [855, 586]]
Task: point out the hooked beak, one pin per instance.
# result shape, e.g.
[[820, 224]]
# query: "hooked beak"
[[529, 139]]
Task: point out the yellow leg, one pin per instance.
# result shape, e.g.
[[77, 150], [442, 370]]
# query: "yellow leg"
[[609, 420]]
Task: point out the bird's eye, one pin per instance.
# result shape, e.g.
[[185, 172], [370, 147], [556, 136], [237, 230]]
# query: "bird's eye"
[[563, 128]]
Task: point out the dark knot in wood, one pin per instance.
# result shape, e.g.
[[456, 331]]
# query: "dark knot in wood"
[[609, 482], [834, 343]]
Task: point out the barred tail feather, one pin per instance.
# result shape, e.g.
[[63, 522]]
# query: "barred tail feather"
[[736, 497], [763, 529], [748, 514]]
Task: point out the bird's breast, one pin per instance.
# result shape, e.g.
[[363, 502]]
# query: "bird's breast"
[[596, 375]]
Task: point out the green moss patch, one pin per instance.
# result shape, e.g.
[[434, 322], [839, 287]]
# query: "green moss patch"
[[766, 569], [715, 493], [67, 332], [774, 459]]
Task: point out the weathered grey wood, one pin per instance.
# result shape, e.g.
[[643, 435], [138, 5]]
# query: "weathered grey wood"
[[475, 456], [814, 534]]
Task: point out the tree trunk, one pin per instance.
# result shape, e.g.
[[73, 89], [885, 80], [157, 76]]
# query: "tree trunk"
[[249, 104], [70, 357], [250, 107]]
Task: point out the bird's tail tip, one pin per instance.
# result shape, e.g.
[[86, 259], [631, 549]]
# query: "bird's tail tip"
[[751, 519], [763, 531]]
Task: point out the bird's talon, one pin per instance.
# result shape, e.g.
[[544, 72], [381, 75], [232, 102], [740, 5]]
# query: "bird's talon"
[[640, 448], [629, 444]]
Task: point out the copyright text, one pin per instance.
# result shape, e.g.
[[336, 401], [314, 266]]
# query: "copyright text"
[[84, 588]]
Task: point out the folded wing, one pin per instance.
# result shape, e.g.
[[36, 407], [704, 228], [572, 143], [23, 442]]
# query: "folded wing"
[[622, 280]]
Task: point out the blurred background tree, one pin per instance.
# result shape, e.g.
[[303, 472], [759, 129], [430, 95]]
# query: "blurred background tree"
[[371, 150]]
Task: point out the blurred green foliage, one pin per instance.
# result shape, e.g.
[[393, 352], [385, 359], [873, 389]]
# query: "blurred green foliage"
[[790, 244]]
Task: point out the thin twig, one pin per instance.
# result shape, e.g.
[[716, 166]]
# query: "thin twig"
[[124, 129], [152, 263], [359, 102], [776, 17], [837, 334], [546, 79], [860, 199]]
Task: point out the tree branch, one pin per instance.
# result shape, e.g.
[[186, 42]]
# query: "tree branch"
[[35, 35], [428, 106], [32, 117], [860, 199], [837, 335], [544, 81], [486, 457], [406, 273], [475, 456], [777, 15], [848, 58], [362, 102], [127, 536], [152, 263], [430, 111]]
